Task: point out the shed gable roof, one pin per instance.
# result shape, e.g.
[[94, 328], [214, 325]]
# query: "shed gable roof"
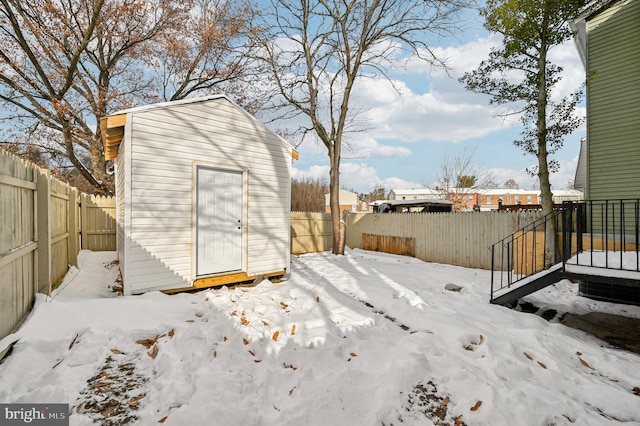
[[112, 126]]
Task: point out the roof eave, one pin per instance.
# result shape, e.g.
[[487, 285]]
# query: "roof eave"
[[112, 129]]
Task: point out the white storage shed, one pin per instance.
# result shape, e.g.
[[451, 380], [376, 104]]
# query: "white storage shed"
[[203, 193]]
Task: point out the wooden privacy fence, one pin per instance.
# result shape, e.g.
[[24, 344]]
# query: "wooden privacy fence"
[[310, 232], [98, 222], [43, 225], [461, 239]]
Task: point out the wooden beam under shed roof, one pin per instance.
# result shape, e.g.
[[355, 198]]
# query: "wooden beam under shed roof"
[[116, 120], [112, 133]]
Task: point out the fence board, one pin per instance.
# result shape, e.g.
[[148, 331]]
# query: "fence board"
[[98, 219], [17, 240], [461, 239], [388, 244], [310, 232], [40, 231], [59, 228]]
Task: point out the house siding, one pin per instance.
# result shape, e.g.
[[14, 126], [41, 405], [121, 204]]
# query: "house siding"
[[120, 176], [166, 144], [613, 99]]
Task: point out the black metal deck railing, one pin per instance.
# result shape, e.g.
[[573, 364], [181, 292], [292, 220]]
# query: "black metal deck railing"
[[607, 234], [522, 253], [598, 234]]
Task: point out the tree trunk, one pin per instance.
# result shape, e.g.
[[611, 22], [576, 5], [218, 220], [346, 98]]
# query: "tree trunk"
[[99, 186], [546, 196], [334, 202]]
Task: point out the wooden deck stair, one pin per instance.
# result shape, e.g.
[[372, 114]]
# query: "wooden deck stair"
[[525, 287], [597, 244], [629, 280]]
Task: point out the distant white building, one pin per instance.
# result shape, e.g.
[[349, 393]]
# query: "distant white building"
[[413, 194], [487, 199], [560, 195], [348, 201]]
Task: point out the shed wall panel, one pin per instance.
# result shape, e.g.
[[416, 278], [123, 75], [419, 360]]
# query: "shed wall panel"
[[166, 144], [120, 197]]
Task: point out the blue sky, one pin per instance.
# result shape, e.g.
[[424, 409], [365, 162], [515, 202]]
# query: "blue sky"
[[406, 135]]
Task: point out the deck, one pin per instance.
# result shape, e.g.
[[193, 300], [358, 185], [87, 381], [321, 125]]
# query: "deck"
[[596, 245]]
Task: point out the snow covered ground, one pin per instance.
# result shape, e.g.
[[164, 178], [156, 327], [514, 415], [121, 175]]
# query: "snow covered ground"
[[361, 339]]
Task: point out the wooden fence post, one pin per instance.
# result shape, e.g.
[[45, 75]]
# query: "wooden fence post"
[[72, 219], [43, 231], [84, 238]]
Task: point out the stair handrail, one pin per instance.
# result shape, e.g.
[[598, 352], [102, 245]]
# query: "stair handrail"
[[596, 234], [508, 267]]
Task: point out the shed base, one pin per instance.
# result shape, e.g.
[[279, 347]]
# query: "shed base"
[[217, 281]]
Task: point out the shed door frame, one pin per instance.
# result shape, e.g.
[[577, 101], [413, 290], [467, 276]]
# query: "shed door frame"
[[194, 258]]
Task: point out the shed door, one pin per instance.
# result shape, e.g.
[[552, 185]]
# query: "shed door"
[[219, 227]]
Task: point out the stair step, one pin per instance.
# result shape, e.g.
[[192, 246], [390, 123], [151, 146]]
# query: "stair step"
[[528, 285]]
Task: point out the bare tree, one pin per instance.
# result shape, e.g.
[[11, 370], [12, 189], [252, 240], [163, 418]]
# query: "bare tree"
[[460, 177], [204, 52], [511, 184], [316, 50], [41, 48], [307, 194], [64, 65], [377, 193]]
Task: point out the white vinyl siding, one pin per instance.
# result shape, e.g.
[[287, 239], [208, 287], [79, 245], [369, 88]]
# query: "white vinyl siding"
[[613, 102], [120, 197], [166, 143]]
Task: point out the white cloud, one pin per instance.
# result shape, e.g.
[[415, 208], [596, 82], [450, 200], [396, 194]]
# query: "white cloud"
[[558, 180], [361, 145], [398, 183], [408, 116], [313, 172], [581, 111], [360, 177], [565, 175], [460, 59], [501, 175], [573, 75], [364, 178], [356, 145]]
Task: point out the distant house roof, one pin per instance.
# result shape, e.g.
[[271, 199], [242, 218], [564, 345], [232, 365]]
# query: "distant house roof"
[[424, 205], [492, 191], [411, 192], [416, 202], [506, 191], [566, 192], [346, 198], [510, 191]]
